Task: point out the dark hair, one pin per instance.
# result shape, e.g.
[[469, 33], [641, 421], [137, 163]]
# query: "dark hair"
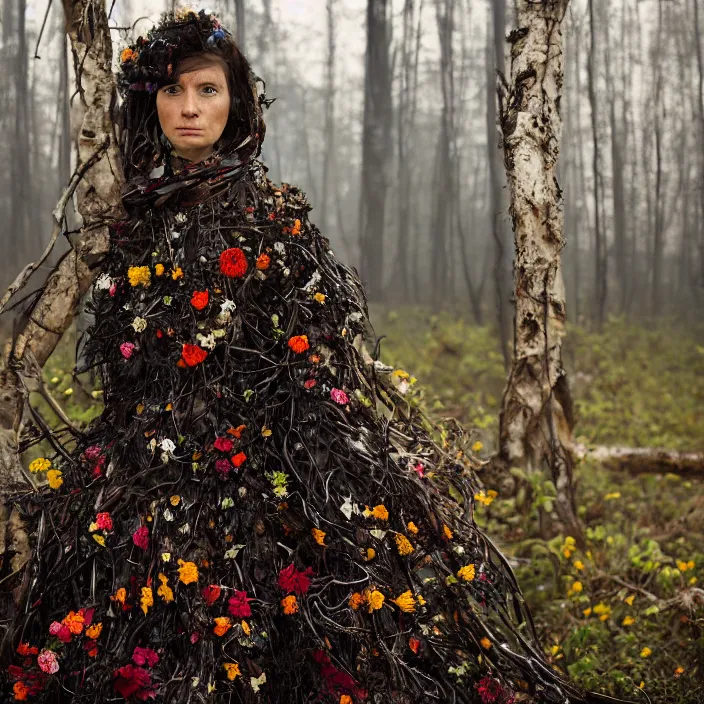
[[152, 62]]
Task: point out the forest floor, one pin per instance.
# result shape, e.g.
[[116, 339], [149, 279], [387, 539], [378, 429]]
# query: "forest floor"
[[627, 615], [628, 612]]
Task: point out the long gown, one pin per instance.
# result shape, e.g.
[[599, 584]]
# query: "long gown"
[[261, 513]]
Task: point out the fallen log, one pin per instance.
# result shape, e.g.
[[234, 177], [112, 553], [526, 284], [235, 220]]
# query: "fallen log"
[[645, 460]]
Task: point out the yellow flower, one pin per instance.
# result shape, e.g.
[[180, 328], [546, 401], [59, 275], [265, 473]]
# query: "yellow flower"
[[93, 527], [447, 532], [375, 599], [290, 604], [380, 512], [628, 621], [679, 671], [466, 573], [319, 536], [629, 599], [139, 276], [147, 599], [245, 628], [175, 500], [646, 652], [399, 373], [612, 495], [232, 669], [356, 600], [477, 447], [412, 528], [320, 297], [587, 612], [94, 631], [576, 587], [578, 565], [99, 539], [603, 610], [406, 602], [420, 599], [165, 591], [159, 269], [486, 643], [177, 273], [403, 545], [483, 498], [554, 649], [54, 478], [187, 572], [41, 464], [371, 554]]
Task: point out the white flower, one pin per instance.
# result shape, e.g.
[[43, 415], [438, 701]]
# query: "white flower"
[[219, 333], [313, 283], [167, 445], [103, 282], [227, 306], [168, 516], [279, 248], [207, 341], [180, 218], [175, 234], [139, 324], [151, 445]]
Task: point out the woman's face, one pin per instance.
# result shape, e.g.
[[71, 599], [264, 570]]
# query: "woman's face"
[[193, 111]]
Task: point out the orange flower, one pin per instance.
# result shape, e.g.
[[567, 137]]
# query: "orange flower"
[[380, 512], [222, 625], [199, 300], [94, 631], [412, 528], [290, 604], [345, 699], [147, 599], [356, 600], [319, 536], [414, 644], [177, 273], [21, 691], [296, 229], [24, 649], [74, 622], [232, 669], [236, 432], [127, 55], [245, 628], [120, 595], [187, 572], [299, 343], [165, 591], [447, 532], [263, 261]]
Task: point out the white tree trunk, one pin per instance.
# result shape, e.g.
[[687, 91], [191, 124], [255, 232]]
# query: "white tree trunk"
[[536, 418], [99, 181]]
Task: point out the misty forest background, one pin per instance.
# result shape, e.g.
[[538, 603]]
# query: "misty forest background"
[[386, 115]]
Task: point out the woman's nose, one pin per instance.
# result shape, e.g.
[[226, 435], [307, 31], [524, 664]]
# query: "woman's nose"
[[189, 107]]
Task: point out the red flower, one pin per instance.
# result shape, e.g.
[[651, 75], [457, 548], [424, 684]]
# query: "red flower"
[[131, 681], [144, 656], [299, 343], [192, 354], [222, 467], [309, 383], [238, 459], [233, 263], [211, 594], [199, 300], [291, 580], [238, 605], [141, 537], [491, 692], [223, 444], [263, 261], [25, 649]]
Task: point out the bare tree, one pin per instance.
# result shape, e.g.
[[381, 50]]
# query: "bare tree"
[[536, 414], [329, 129]]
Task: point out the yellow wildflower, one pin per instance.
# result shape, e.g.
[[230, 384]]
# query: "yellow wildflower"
[[587, 612], [320, 297], [554, 649], [486, 643], [187, 572], [139, 276], [99, 539], [232, 669], [576, 587], [319, 536], [177, 273], [41, 464], [54, 478], [94, 631], [159, 269], [646, 652], [630, 599], [375, 599], [612, 495], [403, 545], [400, 374], [466, 573], [628, 621], [412, 528], [603, 610], [578, 565], [478, 446], [165, 591], [406, 602], [147, 599]]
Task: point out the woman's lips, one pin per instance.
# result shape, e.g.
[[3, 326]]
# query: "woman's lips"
[[189, 130]]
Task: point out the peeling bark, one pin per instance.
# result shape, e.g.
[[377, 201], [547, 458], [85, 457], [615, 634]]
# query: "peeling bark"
[[98, 198], [536, 415]]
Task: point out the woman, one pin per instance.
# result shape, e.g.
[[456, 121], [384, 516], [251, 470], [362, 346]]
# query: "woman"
[[260, 514]]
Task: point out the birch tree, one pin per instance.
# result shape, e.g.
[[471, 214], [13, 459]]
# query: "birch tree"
[[536, 415]]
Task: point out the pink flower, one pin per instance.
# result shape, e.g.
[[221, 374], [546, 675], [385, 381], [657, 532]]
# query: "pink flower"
[[61, 631], [238, 605], [491, 692], [127, 348], [141, 537], [291, 580], [103, 521], [144, 656], [113, 289], [48, 662], [223, 444], [92, 452], [420, 469], [339, 396], [222, 467], [195, 637]]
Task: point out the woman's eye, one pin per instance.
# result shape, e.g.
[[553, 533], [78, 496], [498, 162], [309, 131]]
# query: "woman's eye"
[[170, 90], [210, 88]]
